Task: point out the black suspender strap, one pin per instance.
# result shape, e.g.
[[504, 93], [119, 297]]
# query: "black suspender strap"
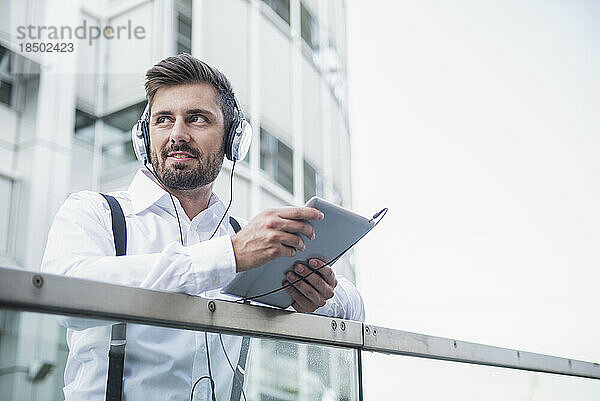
[[116, 362], [118, 225], [234, 223], [240, 371], [116, 353]]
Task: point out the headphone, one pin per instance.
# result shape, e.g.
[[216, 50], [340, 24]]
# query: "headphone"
[[237, 140]]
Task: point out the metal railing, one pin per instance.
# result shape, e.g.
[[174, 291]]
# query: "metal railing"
[[38, 292]]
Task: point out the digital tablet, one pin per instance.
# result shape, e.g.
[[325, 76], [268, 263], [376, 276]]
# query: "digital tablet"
[[338, 230]]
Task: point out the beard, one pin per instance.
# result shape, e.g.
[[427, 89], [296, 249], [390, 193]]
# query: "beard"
[[186, 177]]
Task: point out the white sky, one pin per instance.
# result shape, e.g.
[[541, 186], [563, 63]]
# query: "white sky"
[[477, 124]]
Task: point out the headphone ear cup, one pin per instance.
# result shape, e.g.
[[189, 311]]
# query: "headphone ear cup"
[[240, 137], [229, 147], [146, 138], [141, 146], [140, 138]]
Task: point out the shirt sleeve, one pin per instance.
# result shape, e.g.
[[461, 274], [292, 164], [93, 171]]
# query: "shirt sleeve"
[[346, 302], [80, 244]]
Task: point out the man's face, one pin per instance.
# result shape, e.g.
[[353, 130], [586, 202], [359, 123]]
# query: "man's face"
[[186, 136]]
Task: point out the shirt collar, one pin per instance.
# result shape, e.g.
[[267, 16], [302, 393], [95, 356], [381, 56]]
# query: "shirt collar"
[[145, 192]]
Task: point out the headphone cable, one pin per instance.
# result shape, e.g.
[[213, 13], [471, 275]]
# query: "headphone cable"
[[162, 184], [210, 376], [230, 200], [205, 334], [212, 383], [241, 382]]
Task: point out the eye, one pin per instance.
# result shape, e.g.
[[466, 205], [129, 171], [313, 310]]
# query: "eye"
[[198, 118]]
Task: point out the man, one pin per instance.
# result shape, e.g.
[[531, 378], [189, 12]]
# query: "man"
[[191, 108]]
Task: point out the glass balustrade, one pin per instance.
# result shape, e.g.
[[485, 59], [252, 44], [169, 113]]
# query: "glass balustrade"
[[163, 363], [55, 329], [397, 377]]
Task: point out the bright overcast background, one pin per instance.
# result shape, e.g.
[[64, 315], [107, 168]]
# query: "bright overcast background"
[[477, 123]]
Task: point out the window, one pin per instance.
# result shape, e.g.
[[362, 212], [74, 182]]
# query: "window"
[[313, 184], [281, 8], [337, 197], [6, 92], [276, 159], [309, 28], [183, 26], [124, 119], [117, 149], [84, 126], [6, 207], [333, 56], [6, 79], [4, 61]]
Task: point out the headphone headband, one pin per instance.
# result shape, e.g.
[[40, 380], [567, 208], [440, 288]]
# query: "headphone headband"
[[146, 113]]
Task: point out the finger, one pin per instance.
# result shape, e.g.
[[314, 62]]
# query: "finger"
[[317, 281], [291, 240], [297, 226], [300, 213], [301, 303], [325, 271], [306, 289]]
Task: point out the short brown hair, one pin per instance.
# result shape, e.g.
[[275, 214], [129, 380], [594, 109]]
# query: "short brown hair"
[[185, 69]]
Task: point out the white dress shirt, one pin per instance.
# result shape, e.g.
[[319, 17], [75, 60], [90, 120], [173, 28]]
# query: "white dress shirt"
[[160, 363]]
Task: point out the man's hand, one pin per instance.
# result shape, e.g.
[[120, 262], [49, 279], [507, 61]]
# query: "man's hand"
[[312, 292], [273, 234]]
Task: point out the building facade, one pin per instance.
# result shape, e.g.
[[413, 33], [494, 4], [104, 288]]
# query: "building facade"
[[67, 120]]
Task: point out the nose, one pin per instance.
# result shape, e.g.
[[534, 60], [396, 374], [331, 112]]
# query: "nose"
[[179, 132]]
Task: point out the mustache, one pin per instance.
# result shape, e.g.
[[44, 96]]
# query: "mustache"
[[184, 147]]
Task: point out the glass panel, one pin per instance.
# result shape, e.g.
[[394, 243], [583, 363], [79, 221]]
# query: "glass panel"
[[4, 60], [276, 159], [408, 378], [281, 7], [3, 51], [184, 25], [33, 354], [187, 4], [6, 92], [309, 28], [6, 186], [334, 72], [337, 27], [313, 185], [337, 196], [282, 370], [117, 154], [84, 126], [181, 48], [125, 119], [159, 361], [117, 149]]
